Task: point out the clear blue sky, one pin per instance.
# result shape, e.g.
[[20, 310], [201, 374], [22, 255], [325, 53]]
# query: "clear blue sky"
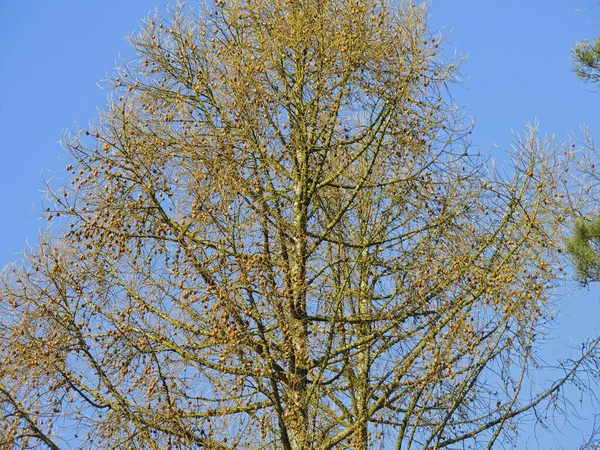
[[52, 54]]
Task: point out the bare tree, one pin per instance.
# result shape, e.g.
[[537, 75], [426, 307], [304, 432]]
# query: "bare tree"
[[275, 236]]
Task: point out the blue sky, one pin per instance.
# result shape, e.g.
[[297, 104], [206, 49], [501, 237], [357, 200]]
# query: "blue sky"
[[52, 54]]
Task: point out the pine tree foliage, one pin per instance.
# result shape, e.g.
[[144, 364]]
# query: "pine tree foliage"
[[275, 236], [586, 57], [584, 247]]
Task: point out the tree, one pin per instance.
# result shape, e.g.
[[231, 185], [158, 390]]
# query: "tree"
[[586, 56], [275, 236], [583, 248], [583, 245]]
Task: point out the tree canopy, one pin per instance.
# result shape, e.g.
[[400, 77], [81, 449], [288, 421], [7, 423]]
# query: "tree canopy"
[[275, 236]]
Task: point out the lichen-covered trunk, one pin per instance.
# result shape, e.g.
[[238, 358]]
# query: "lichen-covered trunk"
[[363, 361], [300, 436], [298, 336]]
